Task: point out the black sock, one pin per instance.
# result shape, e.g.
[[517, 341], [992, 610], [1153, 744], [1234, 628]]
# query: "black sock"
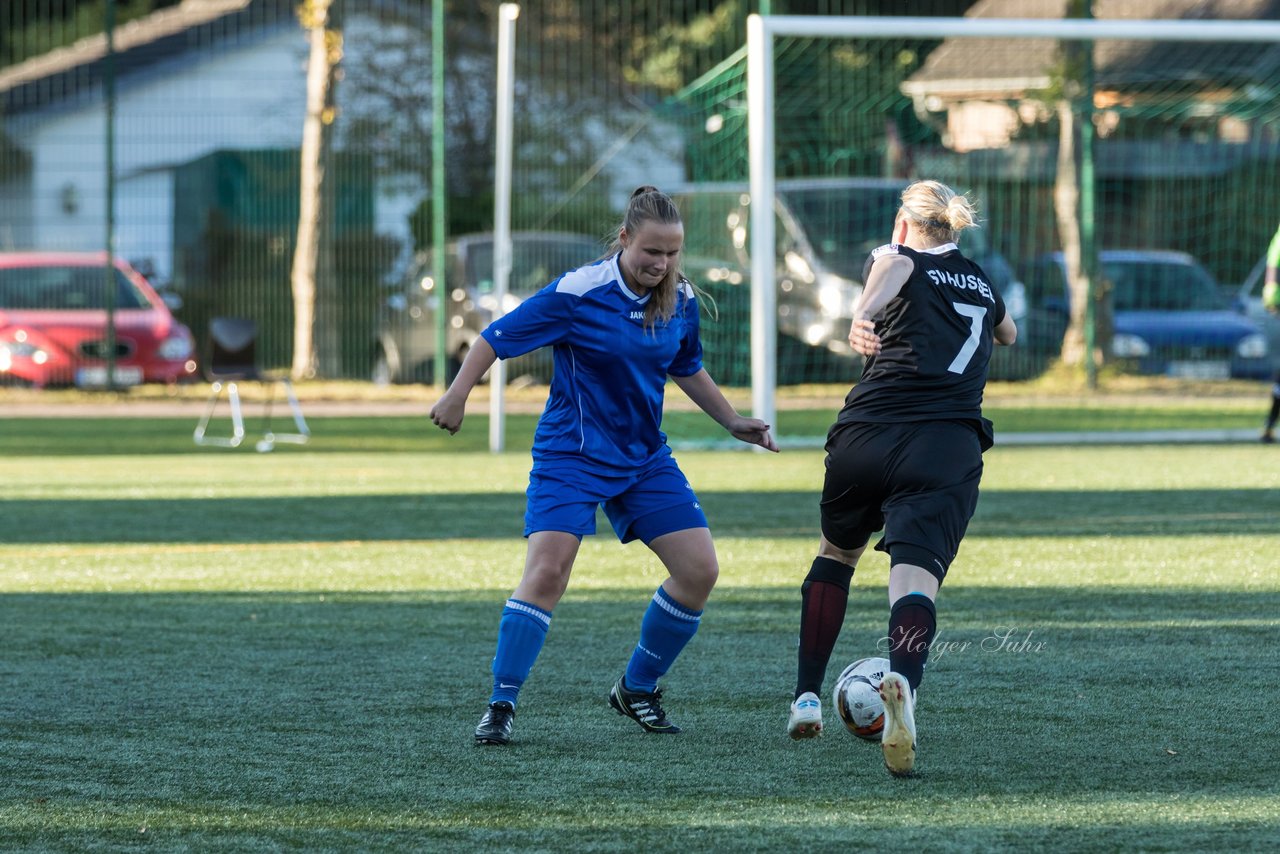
[[1274, 415], [824, 596], [912, 623]]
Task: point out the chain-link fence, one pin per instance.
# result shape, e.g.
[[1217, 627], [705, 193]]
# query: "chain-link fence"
[[209, 100]]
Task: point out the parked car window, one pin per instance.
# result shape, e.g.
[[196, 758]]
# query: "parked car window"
[[844, 226], [1162, 287], [534, 263], [407, 329], [1170, 317], [65, 288]]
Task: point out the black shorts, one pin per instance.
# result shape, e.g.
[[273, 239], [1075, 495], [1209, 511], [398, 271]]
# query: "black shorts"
[[917, 480]]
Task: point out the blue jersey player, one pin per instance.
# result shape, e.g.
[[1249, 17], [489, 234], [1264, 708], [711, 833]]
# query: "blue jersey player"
[[618, 329], [905, 454]]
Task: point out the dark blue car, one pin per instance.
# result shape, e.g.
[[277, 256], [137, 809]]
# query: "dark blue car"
[[1171, 317]]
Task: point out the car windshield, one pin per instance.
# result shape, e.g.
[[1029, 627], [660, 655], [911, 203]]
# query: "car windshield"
[[534, 263], [65, 288], [1161, 286], [844, 223]]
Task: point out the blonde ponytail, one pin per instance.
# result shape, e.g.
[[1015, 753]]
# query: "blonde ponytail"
[[937, 211]]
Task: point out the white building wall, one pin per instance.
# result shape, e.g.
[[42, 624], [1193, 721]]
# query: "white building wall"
[[250, 96], [15, 214], [165, 116]]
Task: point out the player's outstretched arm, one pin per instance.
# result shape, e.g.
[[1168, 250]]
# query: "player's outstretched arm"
[[703, 391], [449, 410]]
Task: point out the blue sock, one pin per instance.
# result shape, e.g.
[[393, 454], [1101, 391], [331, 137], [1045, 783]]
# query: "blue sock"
[[521, 633], [666, 628]]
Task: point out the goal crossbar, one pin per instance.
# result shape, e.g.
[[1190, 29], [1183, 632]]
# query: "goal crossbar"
[[761, 31], [1079, 29]]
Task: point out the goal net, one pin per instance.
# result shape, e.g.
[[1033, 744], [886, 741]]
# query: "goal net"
[[799, 147]]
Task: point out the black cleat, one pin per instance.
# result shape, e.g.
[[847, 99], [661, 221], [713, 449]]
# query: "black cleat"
[[643, 708], [495, 726]]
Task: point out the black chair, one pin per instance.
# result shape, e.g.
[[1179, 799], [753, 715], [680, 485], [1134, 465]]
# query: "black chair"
[[232, 360]]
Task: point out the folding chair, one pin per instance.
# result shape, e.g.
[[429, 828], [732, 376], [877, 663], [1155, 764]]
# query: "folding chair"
[[231, 361]]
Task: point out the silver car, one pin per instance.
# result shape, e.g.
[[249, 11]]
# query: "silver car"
[[407, 326]]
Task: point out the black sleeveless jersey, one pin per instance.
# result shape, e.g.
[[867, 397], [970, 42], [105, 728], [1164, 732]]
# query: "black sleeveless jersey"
[[936, 339]]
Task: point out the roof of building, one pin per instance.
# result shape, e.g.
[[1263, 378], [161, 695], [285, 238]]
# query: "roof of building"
[[1003, 67], [70, 71]]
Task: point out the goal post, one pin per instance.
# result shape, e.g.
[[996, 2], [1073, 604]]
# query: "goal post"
[[503, 148], [762, 30]]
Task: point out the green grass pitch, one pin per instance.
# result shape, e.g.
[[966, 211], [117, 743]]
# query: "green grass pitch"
[[221, 650]]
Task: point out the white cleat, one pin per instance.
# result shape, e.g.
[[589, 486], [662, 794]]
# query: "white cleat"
[[806, 717], [898, 741]]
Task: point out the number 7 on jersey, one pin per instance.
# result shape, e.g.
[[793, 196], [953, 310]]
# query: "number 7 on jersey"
[[975, 313]]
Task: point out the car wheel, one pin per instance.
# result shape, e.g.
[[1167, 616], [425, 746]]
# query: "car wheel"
[[381, 374]]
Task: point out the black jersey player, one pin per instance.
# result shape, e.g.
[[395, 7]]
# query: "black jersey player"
[[905, 453]]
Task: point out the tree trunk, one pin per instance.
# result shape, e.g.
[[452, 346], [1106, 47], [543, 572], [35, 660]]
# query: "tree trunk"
[[1066, 206], [311, 272], [1087, 290]]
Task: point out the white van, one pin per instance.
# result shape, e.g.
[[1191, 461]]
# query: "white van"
[[826, 228]]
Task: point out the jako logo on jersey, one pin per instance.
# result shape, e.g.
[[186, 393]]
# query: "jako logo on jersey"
[[964, 282], [637, 315]]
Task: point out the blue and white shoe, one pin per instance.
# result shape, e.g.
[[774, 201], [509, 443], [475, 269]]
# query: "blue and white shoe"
[[805, 720], [898, 741]]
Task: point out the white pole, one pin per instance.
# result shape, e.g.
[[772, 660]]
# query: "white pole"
[[1086, 29], [764, 293], [507, 14]]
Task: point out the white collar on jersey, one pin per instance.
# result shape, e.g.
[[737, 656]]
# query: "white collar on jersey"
[[622, 283], [939, 250]]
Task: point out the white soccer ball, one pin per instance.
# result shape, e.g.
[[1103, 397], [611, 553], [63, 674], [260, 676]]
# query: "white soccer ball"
[[857, 697]]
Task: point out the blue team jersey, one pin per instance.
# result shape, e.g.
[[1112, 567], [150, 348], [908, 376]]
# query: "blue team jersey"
[[610, 371]]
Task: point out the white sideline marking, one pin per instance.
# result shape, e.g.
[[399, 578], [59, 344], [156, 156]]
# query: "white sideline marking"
[[1092, 437]]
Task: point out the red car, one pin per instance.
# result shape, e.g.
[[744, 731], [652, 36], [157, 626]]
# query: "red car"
[[53, 324]]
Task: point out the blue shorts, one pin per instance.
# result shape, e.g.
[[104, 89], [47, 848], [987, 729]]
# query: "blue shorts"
[[642, 505]]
